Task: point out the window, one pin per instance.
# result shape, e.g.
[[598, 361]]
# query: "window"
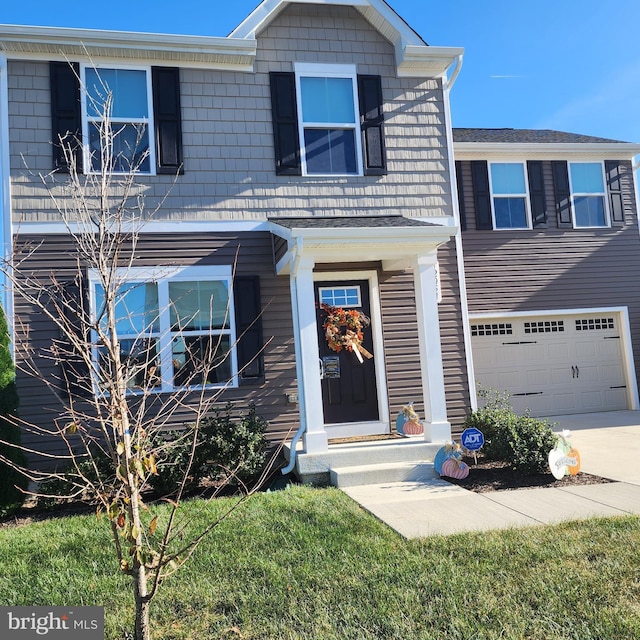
[[340, 296], [588, 194], [175, 327], [509, 195], [125, 94], [326, 108], [146, 105], [327, 120]]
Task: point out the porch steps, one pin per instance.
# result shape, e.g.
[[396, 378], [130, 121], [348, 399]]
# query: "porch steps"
[[358, 463], [342, 477]]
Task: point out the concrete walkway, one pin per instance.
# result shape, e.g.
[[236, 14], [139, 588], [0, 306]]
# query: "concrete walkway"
[[609, 446]]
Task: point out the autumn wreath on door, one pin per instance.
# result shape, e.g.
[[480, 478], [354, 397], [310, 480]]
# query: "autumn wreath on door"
[[343, 330]]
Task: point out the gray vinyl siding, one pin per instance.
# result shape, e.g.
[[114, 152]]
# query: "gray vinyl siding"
[[229, 165], [554, 268], [400, 330], [40, 406]]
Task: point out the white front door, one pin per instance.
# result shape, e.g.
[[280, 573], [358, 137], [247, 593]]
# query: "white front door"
[[552, 365]]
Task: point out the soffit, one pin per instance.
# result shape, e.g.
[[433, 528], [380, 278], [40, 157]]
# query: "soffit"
[[62, 43]]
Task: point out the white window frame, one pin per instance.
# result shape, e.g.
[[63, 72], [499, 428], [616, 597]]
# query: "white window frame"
[[334, 289], [162, 276], [525, 196], [86, 119], [313, 70], [603, 194]]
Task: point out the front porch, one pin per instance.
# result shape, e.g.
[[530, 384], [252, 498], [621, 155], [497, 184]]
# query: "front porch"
[[365, 257]]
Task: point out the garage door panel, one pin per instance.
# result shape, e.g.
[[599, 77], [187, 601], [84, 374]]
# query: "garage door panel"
[[609, 349], [555, 365]]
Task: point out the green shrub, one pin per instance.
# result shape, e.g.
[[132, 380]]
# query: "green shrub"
[[12, 482], [229, 450], [521, 441]]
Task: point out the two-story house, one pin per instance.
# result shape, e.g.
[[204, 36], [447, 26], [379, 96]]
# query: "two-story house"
[[308, 159], [550, 236]]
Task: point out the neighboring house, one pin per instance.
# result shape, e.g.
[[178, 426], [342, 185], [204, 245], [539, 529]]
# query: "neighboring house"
[[551, 256], [315, 141]]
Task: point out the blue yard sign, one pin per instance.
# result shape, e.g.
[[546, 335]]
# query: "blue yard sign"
[[472, 439]]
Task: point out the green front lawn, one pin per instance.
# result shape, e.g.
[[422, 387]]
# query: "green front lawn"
[[310, 563]]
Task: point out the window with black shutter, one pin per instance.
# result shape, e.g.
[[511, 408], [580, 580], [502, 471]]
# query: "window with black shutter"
[[136, 145], [327, 121]]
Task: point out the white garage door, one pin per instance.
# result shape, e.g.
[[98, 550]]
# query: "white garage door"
[[552, 365]]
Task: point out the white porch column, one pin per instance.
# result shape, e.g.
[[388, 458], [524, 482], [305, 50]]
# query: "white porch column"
[[436, 426], [307, 359]]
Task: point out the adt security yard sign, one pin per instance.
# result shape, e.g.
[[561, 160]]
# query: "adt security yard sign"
[[472, 439]]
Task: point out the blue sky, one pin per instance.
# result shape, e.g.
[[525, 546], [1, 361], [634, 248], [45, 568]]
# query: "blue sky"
[[571, 65]]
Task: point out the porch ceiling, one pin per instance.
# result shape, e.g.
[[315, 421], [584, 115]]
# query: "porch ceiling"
[[394, 240]]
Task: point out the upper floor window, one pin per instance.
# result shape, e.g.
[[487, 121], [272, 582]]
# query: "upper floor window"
[[540, 193], [143, 108], [588, 194], [509, 195], [117, 122], [327, 121], [327, 113]]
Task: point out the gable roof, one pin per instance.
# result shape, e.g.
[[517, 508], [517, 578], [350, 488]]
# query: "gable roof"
[[540, 136], [414, 56], [475, 143]]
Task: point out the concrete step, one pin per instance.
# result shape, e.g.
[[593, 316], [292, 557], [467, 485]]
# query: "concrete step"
[[413, 471], [362, 453]]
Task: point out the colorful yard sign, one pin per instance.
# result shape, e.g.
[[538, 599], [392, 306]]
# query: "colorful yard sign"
[[408, 423], [564, 460], [472, 439], [450, 450]]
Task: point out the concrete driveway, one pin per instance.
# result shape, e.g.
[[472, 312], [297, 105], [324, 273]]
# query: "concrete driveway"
[[609, 443]]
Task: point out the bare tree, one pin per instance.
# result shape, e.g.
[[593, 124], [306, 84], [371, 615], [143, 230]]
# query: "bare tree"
[[113, 407]]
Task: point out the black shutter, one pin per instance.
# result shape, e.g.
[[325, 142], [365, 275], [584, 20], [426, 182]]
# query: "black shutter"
[[481, 194], [75, 374], [372, 125], [285, 124], [246, 293], [66, 123], [562, 192], [614, 188], [461, 205], [537, 193], [165, 82]]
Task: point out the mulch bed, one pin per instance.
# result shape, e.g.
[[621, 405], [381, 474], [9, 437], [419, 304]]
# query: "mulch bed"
[[498, 476]]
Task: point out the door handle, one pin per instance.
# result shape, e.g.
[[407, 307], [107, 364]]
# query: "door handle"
[[577, 372], [573, 371]]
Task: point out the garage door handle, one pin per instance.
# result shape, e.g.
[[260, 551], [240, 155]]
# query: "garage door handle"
[[577, 372], [573, 372]]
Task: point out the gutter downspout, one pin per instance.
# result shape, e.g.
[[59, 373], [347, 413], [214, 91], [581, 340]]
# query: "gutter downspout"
[[296, 338], [6, 295], [448, 82], [464, 303]]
